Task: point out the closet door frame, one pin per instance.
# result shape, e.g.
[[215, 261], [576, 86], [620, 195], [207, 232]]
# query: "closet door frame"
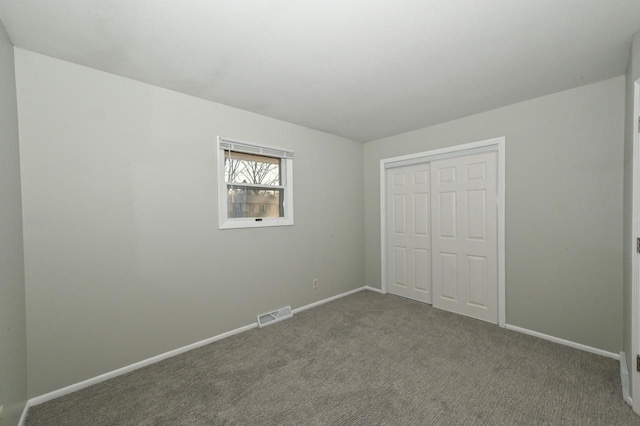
[[497, 145]]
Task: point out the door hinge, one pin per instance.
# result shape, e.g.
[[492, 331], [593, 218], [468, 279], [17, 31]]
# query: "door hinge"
[[638, 245], [638, 124], [637, 362]]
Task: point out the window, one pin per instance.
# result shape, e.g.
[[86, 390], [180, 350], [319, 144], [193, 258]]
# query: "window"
[[255, 185]]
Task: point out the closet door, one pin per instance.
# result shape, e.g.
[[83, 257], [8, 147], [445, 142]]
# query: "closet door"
[[464, 230], [409, 239]]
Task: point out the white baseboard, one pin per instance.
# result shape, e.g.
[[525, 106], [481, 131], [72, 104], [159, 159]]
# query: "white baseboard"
[[328, 299], [115, 373], [23, 417], [120, 371], [564, 342], [624, 378]]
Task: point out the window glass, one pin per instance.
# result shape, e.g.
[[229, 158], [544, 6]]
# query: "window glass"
[[249, 168], [256, 185], [253, 202]]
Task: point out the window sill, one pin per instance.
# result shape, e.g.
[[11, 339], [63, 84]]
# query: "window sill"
[[253, 223]]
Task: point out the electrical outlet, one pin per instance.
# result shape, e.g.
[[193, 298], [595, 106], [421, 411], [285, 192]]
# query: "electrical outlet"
[[315, 285]]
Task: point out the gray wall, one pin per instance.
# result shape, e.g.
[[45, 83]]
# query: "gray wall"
[[564, 156], [633, 73], [123, 256], [13, 372]]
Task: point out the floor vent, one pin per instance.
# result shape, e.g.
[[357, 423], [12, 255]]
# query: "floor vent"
[[275, 316]]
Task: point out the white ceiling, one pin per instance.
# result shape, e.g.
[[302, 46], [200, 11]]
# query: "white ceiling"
[[364, 69]]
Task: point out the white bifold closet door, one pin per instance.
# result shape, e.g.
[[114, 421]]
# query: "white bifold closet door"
[[464, 230], [408, 217]]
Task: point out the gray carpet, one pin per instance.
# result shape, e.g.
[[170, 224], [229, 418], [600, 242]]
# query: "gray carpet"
[[362, 360]]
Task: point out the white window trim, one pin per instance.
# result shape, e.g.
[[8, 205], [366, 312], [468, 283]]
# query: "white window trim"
[[286, 155]]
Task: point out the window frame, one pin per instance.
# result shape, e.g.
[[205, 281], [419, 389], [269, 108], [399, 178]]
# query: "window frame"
[[225, 144]]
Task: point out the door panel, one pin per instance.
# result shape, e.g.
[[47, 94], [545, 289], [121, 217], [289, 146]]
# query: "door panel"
[[448, 284], [477, 280], [464, 229], [399, 213], [422, 270], [476, 212], [442, 234], [409, 242], [421, 214], [400, 266], [447, 215], [447, 175]]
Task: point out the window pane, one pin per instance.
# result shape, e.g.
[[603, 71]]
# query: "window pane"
[[249, 168], [253, 202]]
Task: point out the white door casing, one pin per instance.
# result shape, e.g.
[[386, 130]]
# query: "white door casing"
[[634, 374], [497, 146], [464, 237], [409, 249]]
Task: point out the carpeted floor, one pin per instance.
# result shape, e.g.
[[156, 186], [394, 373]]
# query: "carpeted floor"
[[362, 360]]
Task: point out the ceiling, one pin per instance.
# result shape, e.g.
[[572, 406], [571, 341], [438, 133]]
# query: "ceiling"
[[363, 69]]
